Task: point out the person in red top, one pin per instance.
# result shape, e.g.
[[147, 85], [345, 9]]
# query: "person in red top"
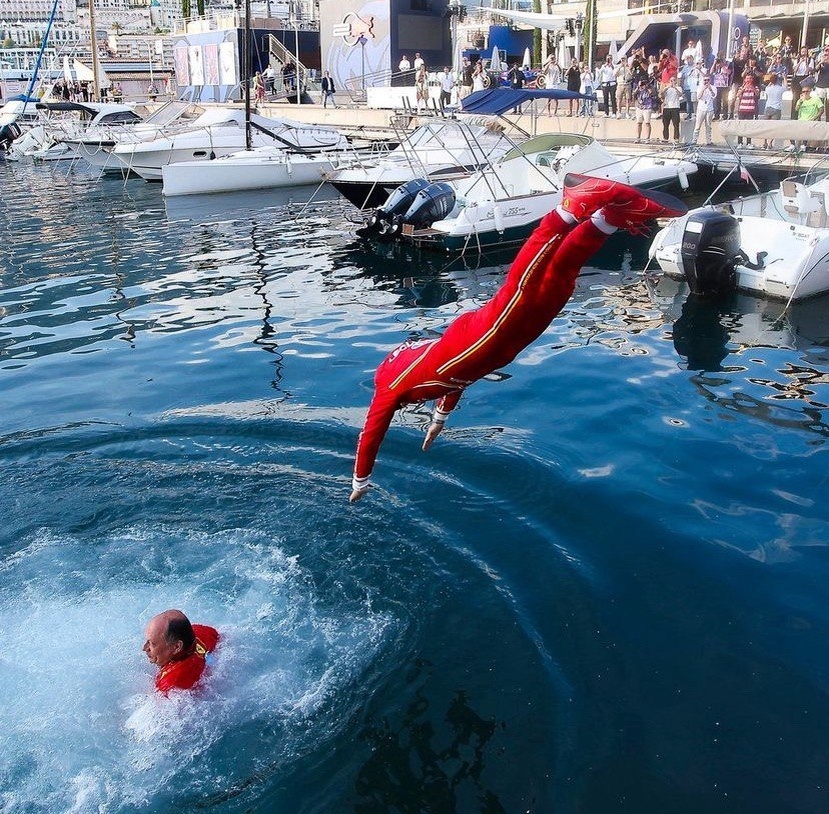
[[178, 649], [537, 286]]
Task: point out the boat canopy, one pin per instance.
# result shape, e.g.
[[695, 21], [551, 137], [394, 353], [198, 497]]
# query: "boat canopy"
[[496, 101], [772, 129]]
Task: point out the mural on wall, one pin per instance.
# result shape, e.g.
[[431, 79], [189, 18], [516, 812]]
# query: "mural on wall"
[[356, 41], [206, 66], [195, 61], [182, 69], [211, 64], [227, 63]]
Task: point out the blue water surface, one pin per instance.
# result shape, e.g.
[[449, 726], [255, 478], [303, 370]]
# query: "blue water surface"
[[602, 590]]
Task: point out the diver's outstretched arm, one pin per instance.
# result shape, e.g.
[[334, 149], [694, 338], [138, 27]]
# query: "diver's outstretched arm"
[[379, 416]]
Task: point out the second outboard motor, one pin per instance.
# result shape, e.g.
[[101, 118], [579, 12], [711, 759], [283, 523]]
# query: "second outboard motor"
[[396, 204], [710, 250]]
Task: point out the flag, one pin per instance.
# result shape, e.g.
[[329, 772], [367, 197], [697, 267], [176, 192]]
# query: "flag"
[[746, 176]]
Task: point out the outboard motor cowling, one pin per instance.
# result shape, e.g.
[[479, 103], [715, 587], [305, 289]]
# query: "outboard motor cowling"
[[710, 249], [396, 205], [433, 203]]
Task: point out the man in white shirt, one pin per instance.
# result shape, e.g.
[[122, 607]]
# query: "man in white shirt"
[[418, 62], [705, 109], [607, 80], [404, 65]]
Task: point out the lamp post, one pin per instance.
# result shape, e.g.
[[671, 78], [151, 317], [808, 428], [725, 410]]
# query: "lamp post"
[[579, 27], [362, 40]]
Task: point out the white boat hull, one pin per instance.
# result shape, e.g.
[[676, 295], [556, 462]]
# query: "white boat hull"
[[243, 171], [796, 263]]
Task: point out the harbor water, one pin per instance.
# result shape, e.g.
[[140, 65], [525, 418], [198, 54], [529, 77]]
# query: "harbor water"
[[602, 590]]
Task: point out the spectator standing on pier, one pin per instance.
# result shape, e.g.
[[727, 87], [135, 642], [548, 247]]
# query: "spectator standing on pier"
[[822, 82], [804, 67], [573, 84], [328, 90], [269, 75], [787, 52], [422, 88], [624, 92], [738, 67], [645, 98], [607, 79], [465, 87], [721, 82], [668, 68], [478, 77], [748, 100], [774, 101], [447, 82], [587, 88], [689, 79], [516, 81], [405, 66], [706, 98], [671, 99], [552, 79], [418, 62], [258, 88]]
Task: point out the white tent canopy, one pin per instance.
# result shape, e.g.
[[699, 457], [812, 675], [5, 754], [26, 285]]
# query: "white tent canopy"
[[550, 22], [84, 74]]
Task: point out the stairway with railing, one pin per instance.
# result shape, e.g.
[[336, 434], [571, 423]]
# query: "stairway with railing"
[[290, 82]]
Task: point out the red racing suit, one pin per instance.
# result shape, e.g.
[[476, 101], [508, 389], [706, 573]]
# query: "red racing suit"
[[537, 286], [184, 673]]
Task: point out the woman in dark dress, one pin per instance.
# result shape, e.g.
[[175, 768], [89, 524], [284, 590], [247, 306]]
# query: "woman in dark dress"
[[573, 76]]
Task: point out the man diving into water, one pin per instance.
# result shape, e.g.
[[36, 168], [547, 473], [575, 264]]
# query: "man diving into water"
[[178, 649], [538, 284]]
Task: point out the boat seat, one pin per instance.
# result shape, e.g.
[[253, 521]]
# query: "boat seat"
[[818, 216], [546, 159], [799, 201]]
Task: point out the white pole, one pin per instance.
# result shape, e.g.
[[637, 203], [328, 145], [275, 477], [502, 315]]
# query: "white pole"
[[729, 48], [803, 40]]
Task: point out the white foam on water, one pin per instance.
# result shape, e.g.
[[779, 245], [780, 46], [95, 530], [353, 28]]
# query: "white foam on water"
[[81, 729]]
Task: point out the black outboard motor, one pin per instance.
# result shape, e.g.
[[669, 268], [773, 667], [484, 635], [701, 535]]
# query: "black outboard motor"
[[8, 133], [396, 204], [433, 203], [710, 251]]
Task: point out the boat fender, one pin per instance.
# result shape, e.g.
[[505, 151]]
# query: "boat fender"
[[743, 260], [498, 216], [683, 177]]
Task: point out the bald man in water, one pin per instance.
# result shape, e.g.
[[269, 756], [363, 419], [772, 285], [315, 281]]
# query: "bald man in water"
[[178, 648]]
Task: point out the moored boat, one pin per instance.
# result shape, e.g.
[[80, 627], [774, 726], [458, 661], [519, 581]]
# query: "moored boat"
[[502, 203], [774, 244]]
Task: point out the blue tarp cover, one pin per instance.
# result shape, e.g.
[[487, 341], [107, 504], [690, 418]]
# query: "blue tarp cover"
[[499, 100]]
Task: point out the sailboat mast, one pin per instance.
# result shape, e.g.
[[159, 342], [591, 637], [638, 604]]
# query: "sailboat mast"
[[33, 80], [246, 57], [96, 90]]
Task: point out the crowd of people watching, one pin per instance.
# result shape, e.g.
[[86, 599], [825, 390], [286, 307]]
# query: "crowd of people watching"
[[694, 84]]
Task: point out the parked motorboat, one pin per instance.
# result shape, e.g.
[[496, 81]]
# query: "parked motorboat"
[[503, 202], [65, 120], [439, 149], [260, 168], [774, 244], [221, 131]]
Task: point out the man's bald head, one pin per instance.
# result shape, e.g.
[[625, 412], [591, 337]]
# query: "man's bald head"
[[169, 636]]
